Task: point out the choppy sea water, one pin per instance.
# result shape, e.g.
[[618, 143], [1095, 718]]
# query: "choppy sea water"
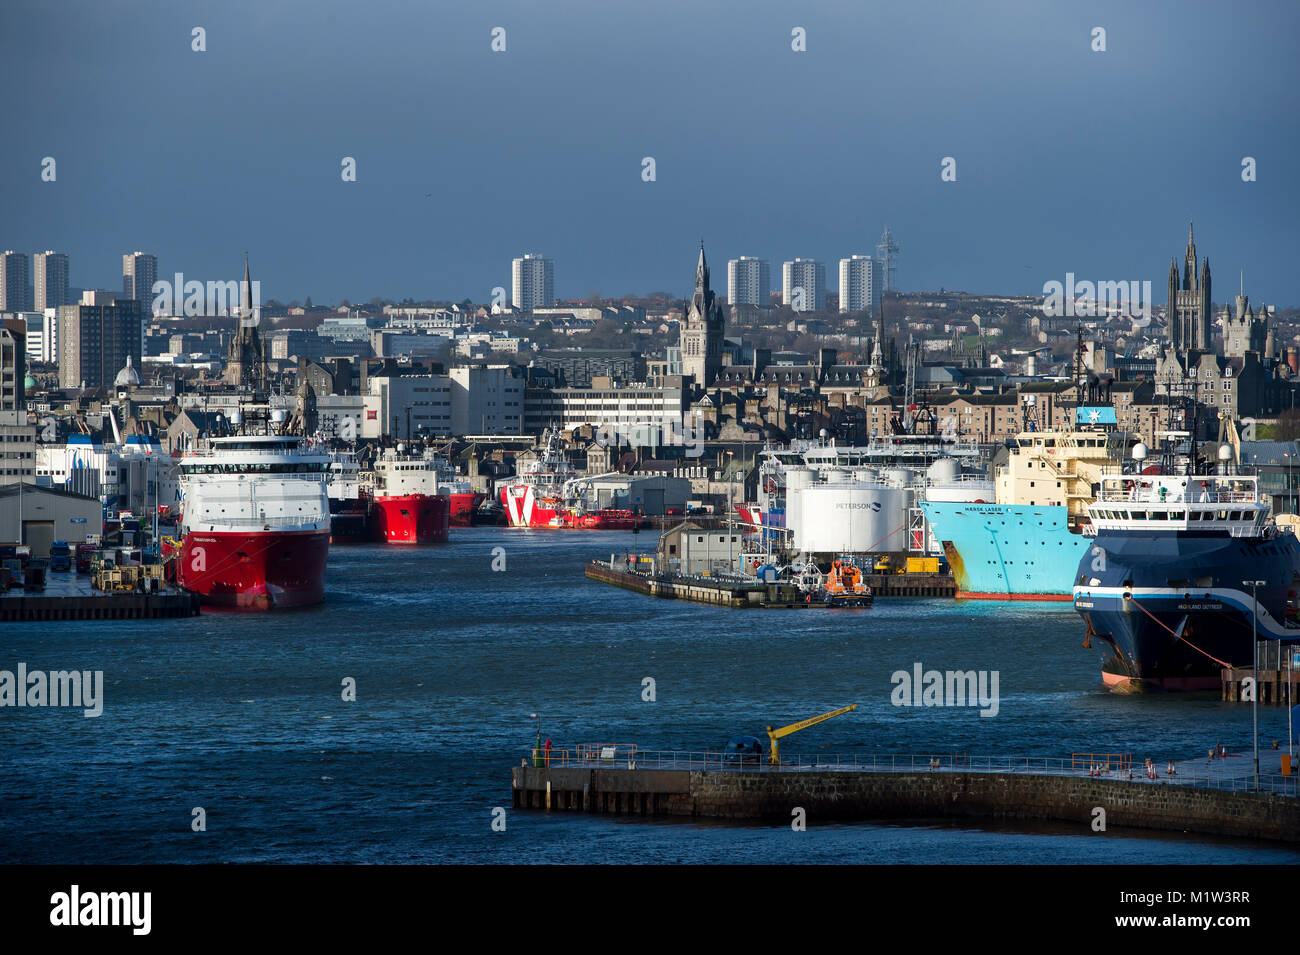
[[243, 715]]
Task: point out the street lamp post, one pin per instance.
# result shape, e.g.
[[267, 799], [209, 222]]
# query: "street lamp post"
[[1254, 666], [731, 560], [1289, 499], [537, 749]]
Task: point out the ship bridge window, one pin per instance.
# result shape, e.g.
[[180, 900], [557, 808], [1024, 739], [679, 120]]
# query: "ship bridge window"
[[1236, 516], [1159, 516]]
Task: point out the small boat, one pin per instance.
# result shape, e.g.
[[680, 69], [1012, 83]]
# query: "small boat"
[[843, 586]]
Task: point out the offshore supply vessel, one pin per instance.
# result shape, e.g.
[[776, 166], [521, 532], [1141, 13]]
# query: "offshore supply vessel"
[[352, 518], [462, 497], [1026, 542], [550, 493], [1183, 570], [255, 522], [410, 505]]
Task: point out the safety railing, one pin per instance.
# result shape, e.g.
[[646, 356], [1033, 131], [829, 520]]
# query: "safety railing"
[[1104, 761], [1112, 766]]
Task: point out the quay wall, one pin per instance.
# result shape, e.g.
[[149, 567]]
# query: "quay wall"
[[762, 595], [99, 607], [841, 795]]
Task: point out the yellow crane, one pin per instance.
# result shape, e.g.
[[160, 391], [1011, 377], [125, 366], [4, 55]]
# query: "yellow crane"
[[775, 735]]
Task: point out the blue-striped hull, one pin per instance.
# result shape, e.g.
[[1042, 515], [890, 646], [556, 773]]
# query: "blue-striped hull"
[[1169, 610], [1007, 551]]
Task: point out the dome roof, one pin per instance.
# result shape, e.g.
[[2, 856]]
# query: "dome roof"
[[128, 377]]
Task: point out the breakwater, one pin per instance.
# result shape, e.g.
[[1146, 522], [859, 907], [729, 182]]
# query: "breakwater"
[[761, 793]]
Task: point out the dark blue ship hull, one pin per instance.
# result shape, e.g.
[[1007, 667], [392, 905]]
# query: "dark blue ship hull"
[[1168, 609]]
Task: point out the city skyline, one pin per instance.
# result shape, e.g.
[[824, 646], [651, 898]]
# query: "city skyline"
[[1068, 173]]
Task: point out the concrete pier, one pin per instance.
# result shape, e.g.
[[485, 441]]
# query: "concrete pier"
[[912, 585], [951, 790], [718, 592], [1272, 685], [785, 595], [25, 607]]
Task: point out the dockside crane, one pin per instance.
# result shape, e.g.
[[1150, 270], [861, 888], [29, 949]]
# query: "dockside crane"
[[775, 735]]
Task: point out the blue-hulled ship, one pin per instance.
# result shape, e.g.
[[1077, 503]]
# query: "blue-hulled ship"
[[1165, 587], [1025, 543]]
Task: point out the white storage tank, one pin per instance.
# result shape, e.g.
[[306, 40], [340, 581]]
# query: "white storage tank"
[[796, 478], [849, 518], [943, 471], [898, 477]]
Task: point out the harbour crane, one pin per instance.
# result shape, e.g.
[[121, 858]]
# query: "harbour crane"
[[775, 735]]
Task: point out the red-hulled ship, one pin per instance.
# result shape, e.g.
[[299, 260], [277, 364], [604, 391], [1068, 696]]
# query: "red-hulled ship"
[[536, 498], [408, 505], [605, 519], [549, 493], [255, 522], [463, 499]]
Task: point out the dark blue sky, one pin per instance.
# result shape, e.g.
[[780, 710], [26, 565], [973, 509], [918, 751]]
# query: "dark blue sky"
[[1067, 160]]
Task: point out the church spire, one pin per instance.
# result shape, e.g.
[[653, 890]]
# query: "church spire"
[[246, 292], [702, 271]]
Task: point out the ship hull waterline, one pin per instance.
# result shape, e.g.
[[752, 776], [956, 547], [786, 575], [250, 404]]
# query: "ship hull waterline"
[[255, 570]]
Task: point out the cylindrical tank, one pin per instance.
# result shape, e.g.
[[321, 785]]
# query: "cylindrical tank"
[[943, 471], [865, 475], [1031, 366], [798, 477], [897, 477], [851, 518]]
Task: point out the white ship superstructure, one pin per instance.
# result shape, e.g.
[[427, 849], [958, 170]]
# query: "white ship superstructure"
[[255, 521]]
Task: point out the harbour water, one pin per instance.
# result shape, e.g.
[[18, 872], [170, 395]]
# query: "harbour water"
[[243, 715]]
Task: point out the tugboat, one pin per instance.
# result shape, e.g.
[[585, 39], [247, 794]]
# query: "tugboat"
[[1167, 588]]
